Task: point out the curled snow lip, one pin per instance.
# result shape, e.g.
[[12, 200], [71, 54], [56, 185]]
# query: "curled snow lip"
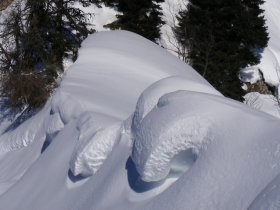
[[168, 134], [163, 129], [90, 154]]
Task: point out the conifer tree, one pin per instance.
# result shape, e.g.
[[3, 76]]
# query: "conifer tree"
[[34, 40], [222, 37], [141, 17]]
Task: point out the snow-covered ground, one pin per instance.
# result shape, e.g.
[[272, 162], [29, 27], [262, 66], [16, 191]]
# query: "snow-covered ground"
[[132, 127], [270, 59]]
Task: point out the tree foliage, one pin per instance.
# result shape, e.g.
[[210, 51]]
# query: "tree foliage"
[[35, 38], [141, 17], [222, 37]]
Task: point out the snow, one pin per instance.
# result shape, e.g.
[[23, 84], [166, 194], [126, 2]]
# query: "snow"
[[238, 158], [144, 135], [101, 16], [270, 56], [266, 103], [250, 74], [269, 62], [94, 145], [132, 127], [170, 9], [164, 133], [67, 106]]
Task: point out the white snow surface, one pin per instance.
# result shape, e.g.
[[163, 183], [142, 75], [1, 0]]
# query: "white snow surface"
[[132, 127], [270, 57], [266, 103]]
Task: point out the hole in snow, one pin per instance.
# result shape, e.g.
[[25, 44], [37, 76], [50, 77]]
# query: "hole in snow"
[[180, 164], [183, 161], [75, 181], [134, 179]]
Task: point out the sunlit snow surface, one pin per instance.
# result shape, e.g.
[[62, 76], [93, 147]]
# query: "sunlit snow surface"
[[269, 60], [270, 57], [132, 127]]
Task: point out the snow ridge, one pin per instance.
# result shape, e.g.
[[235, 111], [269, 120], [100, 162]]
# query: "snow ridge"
[[159, 139], [156, 144], [95, 143], [96, 139]]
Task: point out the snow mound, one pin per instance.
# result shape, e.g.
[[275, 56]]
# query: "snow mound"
[[269, 66], [221, 148], [167, 130], [21, 138], [149, 98], [250, 74], [64, 108], [96, 141], [68, 106], [238, 151], [97, 135], [52, 125], [145, 135], [270, 57], [18, 137], [269, 198], [265, 103]]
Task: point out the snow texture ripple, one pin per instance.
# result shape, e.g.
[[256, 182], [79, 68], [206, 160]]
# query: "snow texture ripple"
[[95, 143]]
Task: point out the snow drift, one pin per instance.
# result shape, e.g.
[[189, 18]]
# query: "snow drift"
[[132, 127]]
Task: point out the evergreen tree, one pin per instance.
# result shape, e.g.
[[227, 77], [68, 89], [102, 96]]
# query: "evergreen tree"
[[222, 37], [141, 17], [34, 40]]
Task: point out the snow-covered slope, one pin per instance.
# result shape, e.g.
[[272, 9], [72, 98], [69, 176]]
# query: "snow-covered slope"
[[132, 127], [270, 57]]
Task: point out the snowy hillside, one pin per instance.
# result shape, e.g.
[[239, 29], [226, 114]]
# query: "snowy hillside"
[[270, 60], [270, 57], [132, 127]]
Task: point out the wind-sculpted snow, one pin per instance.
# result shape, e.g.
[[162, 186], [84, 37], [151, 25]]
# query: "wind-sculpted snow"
[[97, 133], [228, 141], [153, 139], [64, 108], [149, 98], [168, 129], [68, 106], [154, 151], [96, 141], [207, 151], [269, 198], [52, 125], [21, 136]]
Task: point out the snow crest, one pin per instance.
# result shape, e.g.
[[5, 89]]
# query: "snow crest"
[[97, 133], [18, 137], [52, 125], [184, 134], [68, 106], [87, 159], [64, 108], [162, 128], [149, 98]]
